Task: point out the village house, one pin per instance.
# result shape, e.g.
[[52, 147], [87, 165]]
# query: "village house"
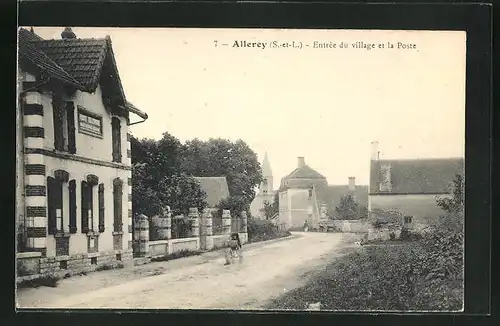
[[410, 186], [215, 188], [305, 195], [265, 193], [74, 187]]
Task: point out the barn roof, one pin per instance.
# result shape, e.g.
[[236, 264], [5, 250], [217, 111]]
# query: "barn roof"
[[216, 189], [417, 176]]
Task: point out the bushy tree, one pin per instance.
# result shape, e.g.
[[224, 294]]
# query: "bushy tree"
[[220, 157], [158, 179], [347, 209], [454, 206]]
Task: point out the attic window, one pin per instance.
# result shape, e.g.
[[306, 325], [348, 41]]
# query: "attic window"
[[89, 123]]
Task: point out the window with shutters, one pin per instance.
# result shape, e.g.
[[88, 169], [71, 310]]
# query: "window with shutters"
[[85, 207], [116, 139], [70, 126], [101, 208], [72, 206], [60, 123], [55, 201], [118, 205]]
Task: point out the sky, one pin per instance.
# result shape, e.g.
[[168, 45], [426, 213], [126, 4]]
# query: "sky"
[[325, 104]]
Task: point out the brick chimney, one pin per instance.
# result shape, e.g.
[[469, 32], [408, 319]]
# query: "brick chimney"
[[352, 183], [301, 161], [375, 153], [68, 34]]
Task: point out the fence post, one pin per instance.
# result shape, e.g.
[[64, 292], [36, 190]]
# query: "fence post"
[[194, 217], [226, 221], [141, 236], [164, 227], [206, 237]]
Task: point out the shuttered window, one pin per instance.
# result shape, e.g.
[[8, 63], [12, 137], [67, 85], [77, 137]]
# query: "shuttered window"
[[116, 139], [58, 117], [55, 205], [70, 114], [85, 205], [72, 206], [117, 205], [101, 208]]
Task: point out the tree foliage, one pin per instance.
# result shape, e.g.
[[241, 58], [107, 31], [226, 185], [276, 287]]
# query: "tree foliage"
[[347, 209], [220, 157], [159, 179]]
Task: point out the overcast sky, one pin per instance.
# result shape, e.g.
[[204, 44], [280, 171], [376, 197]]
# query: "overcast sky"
[[324, 104]]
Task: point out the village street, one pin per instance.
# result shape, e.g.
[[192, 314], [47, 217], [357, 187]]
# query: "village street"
[[197, 282]]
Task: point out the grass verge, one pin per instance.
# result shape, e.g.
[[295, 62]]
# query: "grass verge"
[[389, 277]]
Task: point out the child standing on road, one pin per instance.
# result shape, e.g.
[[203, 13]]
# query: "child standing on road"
[[234, 245]]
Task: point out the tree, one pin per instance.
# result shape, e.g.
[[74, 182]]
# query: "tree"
[[347, 208], [158, 179], [220, 157], [454, 207]]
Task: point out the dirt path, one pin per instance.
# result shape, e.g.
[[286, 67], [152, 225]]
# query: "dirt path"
[[198, 282]]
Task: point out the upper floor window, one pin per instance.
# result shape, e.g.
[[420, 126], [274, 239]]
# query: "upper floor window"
[[89, 123], [64, 124], [116, 139]]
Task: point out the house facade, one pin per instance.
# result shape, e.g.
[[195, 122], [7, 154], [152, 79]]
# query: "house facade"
[[305, 195], [410, 186], [74, 186], [265, 193]]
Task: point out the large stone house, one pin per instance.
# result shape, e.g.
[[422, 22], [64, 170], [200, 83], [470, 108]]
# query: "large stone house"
[[74, 188], [305, 195], [265, 193], [410, 186]]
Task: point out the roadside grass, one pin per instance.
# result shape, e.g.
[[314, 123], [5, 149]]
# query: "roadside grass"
[[178, 254], [401, 276]]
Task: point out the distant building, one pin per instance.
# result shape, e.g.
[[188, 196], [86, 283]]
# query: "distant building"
[[305, 195], [265, 193], [216, 189], [410, 186], [74, 186]]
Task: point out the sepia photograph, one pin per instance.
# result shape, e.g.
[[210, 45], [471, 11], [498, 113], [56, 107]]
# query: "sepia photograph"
[[240, 169]]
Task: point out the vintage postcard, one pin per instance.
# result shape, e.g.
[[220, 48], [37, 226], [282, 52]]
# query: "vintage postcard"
[[240, 169]]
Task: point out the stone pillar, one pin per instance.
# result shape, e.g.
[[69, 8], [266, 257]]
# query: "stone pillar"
[[194, 218], [206, 237], [244, 221], [35, 182], [226, 221], [141, 236], [164, 227]]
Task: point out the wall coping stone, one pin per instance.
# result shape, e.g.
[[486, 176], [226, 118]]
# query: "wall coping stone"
[[30, 254]]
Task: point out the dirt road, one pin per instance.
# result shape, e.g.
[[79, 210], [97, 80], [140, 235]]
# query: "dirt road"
[[198, 282]]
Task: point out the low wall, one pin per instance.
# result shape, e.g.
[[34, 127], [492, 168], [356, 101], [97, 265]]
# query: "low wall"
[[192, 244], [158, 248], [28, 263], [220, 240], [36, 267], [354, 226]]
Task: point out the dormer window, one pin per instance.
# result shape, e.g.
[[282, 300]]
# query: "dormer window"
[[386, 178]]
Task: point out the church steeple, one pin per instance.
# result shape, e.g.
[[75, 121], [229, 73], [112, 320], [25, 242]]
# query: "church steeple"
[[266, 186]]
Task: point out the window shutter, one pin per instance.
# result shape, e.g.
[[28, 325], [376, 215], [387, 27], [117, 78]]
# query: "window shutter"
[[117, 203], [85, 207], [70, 114], [58, 122], [51, 223], [116, 138], [72, 206], [101, 207]]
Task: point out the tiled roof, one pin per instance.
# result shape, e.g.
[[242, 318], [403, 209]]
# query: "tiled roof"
[[216, 189], [79, 62], [304, 172], [417, 176], [81, 58], [28, 51]]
